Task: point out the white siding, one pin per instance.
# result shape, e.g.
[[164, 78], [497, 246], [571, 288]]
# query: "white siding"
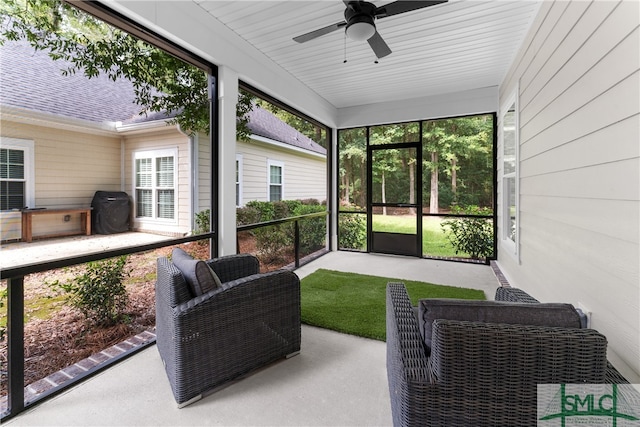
[[304, 175], [578, 79], [204, 172], [70, 167]]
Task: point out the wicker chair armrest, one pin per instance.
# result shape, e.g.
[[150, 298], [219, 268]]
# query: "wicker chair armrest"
[[232, 267], [405, 347], [407, 370], [504, 293]]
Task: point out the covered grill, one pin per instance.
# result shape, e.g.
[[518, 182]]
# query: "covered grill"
[[111, 212]]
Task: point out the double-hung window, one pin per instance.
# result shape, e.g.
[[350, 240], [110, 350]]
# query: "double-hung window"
[[155, 184], [16, 174], [276, 180]]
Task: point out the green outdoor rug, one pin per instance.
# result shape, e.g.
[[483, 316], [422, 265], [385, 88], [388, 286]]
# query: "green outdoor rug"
[[356, 303]]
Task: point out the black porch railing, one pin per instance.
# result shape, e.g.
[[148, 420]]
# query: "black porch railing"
[[296, 241], [14, 276], [15, 318]]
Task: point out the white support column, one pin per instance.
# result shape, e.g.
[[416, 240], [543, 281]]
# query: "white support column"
[[227, 100]]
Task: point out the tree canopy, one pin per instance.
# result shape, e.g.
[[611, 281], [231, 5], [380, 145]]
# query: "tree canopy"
[[457, 163], [162, 82]]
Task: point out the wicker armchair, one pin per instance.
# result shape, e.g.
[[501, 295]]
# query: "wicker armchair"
[[480, 374], [206, 341]]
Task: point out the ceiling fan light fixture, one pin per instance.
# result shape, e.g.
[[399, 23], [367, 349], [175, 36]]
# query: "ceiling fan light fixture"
[[361, 28]]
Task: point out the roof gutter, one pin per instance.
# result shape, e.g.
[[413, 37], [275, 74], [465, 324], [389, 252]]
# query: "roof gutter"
[[285, 146], [40, 118], [134, 128]]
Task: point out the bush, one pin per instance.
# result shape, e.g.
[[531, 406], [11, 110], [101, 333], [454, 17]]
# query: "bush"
[[313, 231], [262, 211], [100, 293], [352, 230], [273, 243], [247, 215], [470, 235], [203, 223]]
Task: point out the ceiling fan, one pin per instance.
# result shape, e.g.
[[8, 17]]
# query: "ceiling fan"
[[359, 20]]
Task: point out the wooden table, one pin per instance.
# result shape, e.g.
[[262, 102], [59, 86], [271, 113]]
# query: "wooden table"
[[27, 222]]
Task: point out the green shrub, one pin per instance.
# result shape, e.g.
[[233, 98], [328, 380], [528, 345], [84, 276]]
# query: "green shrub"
[[264, 211], [291, 207], [470, 235], [100, 292], [275, 242], [313, 231], [203, 223], [352, 230], [247, 215]]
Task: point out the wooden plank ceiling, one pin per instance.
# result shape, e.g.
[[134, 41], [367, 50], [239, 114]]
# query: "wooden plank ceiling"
[[450, 47]]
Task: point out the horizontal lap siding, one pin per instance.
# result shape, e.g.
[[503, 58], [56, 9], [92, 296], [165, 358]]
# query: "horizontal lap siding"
[[204, 172], [305, 179], [69, 168], [304, 176], [579, 94]]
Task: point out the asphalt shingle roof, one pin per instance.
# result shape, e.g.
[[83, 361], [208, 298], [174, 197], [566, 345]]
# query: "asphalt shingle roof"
[[264, 123], [32, 80]]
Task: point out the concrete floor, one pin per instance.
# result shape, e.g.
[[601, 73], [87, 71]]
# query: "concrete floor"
[[19, 253], [337, 380]]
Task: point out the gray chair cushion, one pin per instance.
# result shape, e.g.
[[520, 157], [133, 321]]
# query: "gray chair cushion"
[[199, 276], [547, 314]]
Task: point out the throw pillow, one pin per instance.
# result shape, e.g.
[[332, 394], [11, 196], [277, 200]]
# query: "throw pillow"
[[199, 276], [547, 314]]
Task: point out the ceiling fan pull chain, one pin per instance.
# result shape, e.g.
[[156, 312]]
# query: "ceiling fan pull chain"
[[345, 48]]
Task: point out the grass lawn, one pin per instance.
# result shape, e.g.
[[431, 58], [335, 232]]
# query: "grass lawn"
[[356, 304], [434, 240]]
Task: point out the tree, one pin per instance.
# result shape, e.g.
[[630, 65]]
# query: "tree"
[[436, 140], [162, 82], [396, 164], [353, 159], [308, 129], [457, 162], [449, 144]]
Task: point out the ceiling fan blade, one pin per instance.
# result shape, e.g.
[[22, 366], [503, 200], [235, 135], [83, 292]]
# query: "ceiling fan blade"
[[398, 7], [379, 46], [319, 32]]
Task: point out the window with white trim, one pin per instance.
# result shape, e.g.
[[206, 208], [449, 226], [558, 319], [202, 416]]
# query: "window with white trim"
[[238, 180], [17, 176], [510, 191], [275, 171], [155, 184]]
